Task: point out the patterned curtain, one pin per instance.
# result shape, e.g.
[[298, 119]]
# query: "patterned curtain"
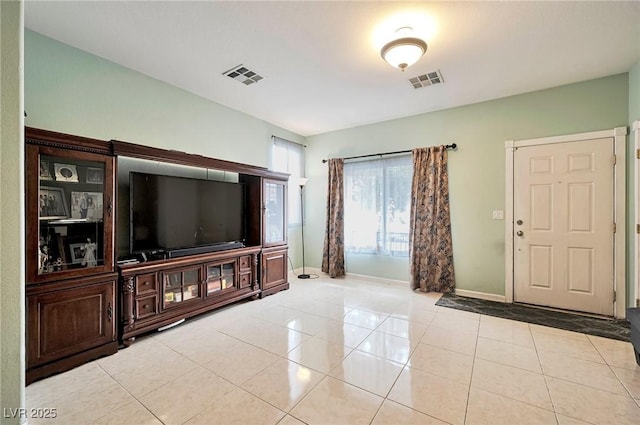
[[430, 248], [333, 255]]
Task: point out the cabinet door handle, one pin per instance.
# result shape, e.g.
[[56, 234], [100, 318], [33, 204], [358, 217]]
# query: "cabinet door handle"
[[109, 312]]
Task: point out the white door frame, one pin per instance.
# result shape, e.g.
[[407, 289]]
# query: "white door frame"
[[619, 136], [636, 199]]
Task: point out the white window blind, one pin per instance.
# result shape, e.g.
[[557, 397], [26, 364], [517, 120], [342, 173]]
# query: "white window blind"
[[377, 205], [288, 157]]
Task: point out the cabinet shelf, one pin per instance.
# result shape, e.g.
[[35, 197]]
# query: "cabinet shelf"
[[71, 285]]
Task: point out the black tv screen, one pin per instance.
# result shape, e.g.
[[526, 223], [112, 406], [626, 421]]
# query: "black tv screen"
[[176, 212]]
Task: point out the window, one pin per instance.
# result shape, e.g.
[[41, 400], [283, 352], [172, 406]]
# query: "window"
[[288, 157], [377, 205]]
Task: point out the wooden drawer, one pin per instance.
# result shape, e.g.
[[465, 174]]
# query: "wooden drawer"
[[245, 280], [146, 307], [245, 262], [146, 284]]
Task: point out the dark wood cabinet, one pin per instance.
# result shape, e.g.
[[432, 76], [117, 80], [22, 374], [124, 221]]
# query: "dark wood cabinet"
[[159, 293], [79, 304], [69, 319], [274, 270], [71, 291]]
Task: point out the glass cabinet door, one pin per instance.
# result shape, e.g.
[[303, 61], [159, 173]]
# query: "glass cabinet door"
[[275, 219], [220, 276], [180, 286], [69, 214]]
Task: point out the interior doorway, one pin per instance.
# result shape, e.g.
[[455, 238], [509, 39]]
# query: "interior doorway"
[[563, 207]]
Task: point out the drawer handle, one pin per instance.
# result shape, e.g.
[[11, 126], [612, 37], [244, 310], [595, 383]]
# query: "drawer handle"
[[146, 306], [146, 282]]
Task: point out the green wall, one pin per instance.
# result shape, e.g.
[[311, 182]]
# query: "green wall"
[[72, 91], [75, 92], [476, 169], [12, 352]]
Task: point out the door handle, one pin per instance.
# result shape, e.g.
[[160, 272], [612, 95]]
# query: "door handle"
[[520, 233]]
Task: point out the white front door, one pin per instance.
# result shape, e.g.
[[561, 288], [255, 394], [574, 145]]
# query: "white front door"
[[563, 225]]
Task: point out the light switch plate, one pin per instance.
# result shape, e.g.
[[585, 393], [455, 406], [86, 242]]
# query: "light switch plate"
[[497, 215]]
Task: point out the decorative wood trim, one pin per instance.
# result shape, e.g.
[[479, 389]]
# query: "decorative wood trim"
[[255, 285], [53, 139], [128, 320], [133, 150]]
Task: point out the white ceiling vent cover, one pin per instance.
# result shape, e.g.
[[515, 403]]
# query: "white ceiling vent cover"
[[428, 79], [243, 74]]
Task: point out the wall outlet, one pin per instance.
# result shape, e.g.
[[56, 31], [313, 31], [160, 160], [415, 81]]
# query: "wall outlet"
[[497, 215]]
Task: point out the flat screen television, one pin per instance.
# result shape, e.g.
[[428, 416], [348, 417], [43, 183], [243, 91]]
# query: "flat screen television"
[[178, 214]]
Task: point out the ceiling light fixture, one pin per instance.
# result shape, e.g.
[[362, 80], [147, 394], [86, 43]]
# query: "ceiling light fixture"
[[405, 51]]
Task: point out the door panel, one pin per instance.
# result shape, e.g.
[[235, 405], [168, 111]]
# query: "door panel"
[[66, 322], [563, 250]]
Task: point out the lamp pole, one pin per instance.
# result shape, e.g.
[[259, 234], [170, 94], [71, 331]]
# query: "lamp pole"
[[303, 275]]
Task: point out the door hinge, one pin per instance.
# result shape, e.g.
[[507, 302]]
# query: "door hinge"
[[614, 159], [615, 227], [614, 296], [637, 228], [638, 153], [638, 302]]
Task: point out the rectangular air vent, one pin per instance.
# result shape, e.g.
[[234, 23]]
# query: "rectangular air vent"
[[243, 74], [428, 79]]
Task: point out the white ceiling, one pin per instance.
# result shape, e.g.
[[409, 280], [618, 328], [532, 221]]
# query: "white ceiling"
[[321, 60]]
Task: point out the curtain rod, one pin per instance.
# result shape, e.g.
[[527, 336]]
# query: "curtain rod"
[[448, 147], [274, 137]]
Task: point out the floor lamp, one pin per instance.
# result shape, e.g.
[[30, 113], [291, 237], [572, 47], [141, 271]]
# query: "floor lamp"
[[302, 182]]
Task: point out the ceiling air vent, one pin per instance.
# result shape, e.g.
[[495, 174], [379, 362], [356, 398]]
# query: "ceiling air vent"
[[428, 79], [243, 74]]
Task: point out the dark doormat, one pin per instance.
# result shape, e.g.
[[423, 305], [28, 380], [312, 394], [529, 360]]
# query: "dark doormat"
[[607, 328]]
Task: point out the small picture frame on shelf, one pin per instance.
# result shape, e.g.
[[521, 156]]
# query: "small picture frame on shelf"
[[45, 170], [65, 173], [77, 252], [53, 203], [87, 206], [95, 175], [168, 297]]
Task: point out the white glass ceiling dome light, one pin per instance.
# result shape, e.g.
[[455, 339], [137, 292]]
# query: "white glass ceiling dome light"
[[404, 51]]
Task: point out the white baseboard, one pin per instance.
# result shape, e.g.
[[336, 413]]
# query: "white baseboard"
[[308, 270], [393, 282], [312, 270], [481, 295]]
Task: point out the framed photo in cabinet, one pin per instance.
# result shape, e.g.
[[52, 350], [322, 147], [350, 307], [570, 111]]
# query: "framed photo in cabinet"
[[66, 173], [45, 170], [77, 252], [87, 205], [95, 175], [53, 203]]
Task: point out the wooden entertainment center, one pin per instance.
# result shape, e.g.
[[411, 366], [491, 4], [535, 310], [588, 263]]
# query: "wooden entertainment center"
[[81, 305]]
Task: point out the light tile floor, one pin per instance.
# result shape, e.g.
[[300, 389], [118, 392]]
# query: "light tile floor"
[[347, 351]]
